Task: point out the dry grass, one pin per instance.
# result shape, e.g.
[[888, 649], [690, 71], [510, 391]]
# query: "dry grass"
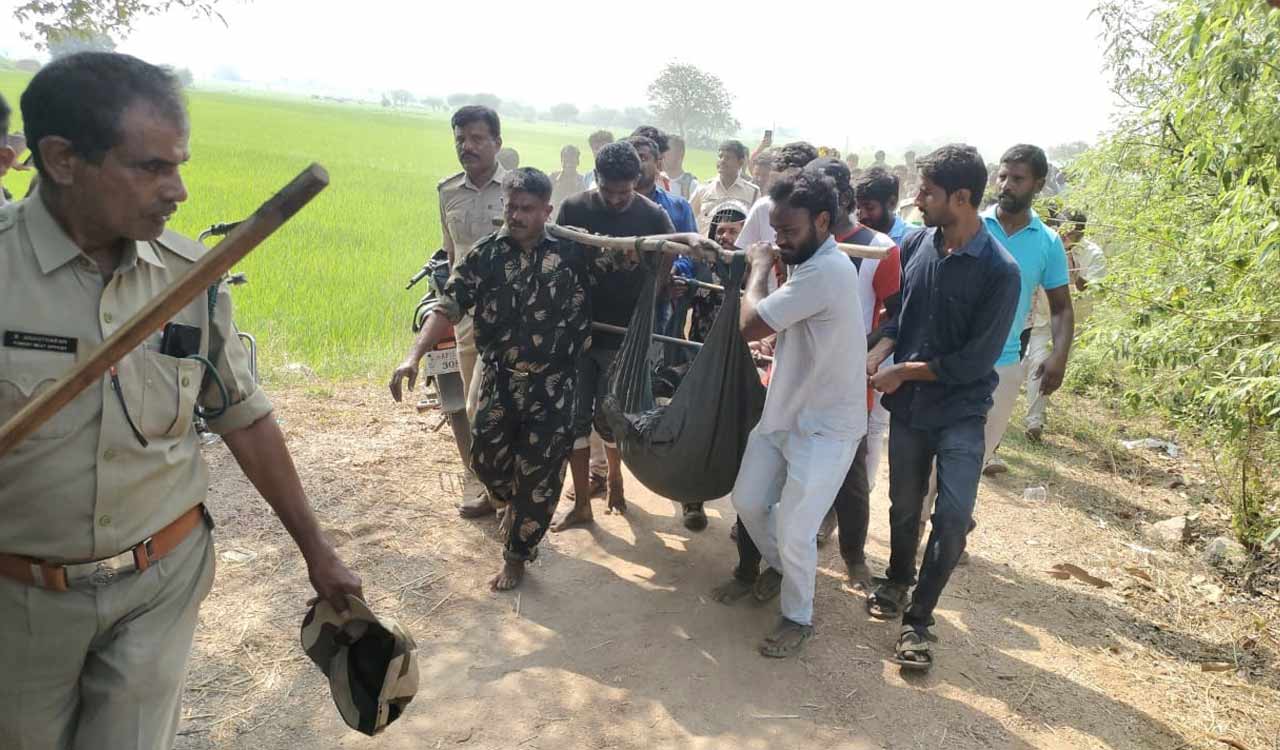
[[1171, 652]]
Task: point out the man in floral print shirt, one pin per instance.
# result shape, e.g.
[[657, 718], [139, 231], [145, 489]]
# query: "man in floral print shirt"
[[530, 297]]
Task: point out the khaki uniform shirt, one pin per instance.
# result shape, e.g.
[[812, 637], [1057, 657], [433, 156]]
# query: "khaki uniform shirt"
[[707, 197], [82, 487], [467, 211]]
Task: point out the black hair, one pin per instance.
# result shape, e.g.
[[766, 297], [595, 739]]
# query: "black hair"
[[810, 189], [82, 98], [769, 156], [618, 162], [571, 149], [737, 148], [1032, 156], [5, 113], [794, 156], [528, 180], [1074, 216], [956, 166], [657, 136], [477, 113], [673, 140], [877, 184], [639, 141], [838, 171], [602, 137]]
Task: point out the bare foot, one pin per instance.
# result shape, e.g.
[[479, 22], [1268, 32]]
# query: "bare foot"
[[616, 500], [859, 576], [730, 591], [579, 516], [509, 577]]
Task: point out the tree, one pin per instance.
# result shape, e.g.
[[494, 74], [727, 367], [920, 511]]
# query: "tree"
[[487, 100], [433, 103], [400, 97], [602, 116], [632, 117], [564, 112], [51, 21], [1184, 194], [459, 99], [1065, 152], [72, 43], [184, 76], [691, 101]]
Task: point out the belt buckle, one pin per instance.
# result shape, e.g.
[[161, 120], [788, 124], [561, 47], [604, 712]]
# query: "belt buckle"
[[102, 572], [103, 575]]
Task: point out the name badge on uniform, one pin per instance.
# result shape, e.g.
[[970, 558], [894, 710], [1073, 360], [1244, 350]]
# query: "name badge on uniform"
[[41, 342]]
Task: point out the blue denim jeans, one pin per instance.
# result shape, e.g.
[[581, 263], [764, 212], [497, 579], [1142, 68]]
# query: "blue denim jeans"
[[958, 450]]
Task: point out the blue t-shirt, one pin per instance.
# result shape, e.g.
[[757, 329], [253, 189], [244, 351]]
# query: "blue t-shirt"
[[677, 208], [1042, 262]]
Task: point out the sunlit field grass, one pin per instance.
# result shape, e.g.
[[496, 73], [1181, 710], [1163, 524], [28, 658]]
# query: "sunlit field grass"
[[327, 290]]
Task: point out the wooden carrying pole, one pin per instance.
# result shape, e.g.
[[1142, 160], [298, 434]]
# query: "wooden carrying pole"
[[206, 272], [653, 245]]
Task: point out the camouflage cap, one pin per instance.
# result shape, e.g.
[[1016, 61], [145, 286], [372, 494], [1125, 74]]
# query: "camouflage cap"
[[371, 663]]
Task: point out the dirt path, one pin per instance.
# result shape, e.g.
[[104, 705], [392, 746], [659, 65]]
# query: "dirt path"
[[614, 643]]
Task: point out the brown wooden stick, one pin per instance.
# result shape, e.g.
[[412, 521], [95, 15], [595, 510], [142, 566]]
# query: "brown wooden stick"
[[651, 245], [206, 272]]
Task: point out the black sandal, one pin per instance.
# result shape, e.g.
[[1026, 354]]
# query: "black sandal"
[[912, 651], [887, 600]]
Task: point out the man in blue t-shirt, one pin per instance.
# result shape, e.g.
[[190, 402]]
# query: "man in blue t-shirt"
[[1042, 262]]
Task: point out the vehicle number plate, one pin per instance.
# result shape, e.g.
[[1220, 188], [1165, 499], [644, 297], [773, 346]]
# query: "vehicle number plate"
[[442, 362]]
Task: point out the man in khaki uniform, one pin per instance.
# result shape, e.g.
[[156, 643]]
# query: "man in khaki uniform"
[[105, 546], [728, 185], [469, 202]]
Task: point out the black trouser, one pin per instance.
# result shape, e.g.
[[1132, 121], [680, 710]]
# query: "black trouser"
[[853, 512], [958, 449], [853, 508], [520, 445]]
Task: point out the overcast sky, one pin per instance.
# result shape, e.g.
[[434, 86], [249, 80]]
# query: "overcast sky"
[[885, 74]]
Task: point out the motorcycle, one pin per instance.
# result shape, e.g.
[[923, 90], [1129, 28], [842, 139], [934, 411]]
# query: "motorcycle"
[[442, 374]]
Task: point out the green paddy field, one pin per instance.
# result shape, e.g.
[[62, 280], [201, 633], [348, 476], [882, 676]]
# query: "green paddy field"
[[328, 289]]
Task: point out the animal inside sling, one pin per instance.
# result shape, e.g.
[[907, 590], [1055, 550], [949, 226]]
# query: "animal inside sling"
[[690, 449]]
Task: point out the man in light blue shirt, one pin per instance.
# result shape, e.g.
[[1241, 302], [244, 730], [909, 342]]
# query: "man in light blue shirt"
[[1042, 262]]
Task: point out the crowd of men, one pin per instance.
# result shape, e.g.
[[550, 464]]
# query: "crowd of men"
[[922, 352], [106, 553]]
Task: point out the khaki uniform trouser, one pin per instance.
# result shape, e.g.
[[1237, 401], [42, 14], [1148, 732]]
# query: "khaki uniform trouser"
[[98, 668]]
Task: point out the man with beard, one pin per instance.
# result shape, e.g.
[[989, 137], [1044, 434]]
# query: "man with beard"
[[469, 202], [1043, 263], [876, 194], [529, 294], [815, 413], [959, 295], [879, 282], [614, 209]]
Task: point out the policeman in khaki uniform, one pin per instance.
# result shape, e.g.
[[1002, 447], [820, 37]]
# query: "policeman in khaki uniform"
[[470, 201], [105, 546]]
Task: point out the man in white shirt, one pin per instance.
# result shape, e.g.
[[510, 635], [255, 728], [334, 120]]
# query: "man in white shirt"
[[728, 186], [682, 183], [1086, 264], [815, 413]]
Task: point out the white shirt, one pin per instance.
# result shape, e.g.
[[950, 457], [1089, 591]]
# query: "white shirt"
[[758, 229], [709, 197], [819, 381]]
